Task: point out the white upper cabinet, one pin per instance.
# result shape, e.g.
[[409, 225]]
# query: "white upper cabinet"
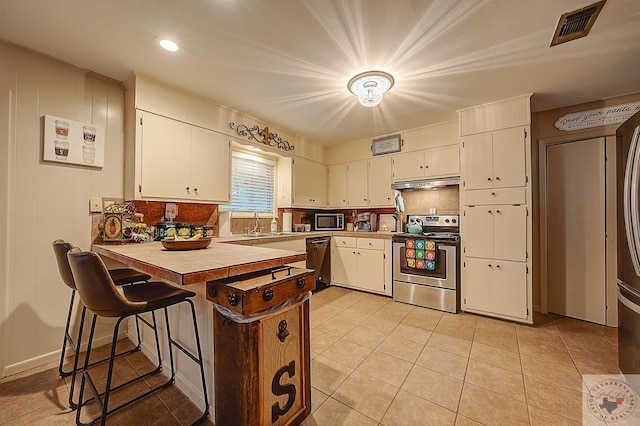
[[362, 183], [179, 161], [357, 184], [379, 182], [309, 183], [495, 159], [338, 185], [435, 162]]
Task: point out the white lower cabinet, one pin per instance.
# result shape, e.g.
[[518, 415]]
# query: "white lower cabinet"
[[495, 287], [361, 263]]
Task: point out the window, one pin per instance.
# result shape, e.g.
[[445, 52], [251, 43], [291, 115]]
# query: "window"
[[252, 184]]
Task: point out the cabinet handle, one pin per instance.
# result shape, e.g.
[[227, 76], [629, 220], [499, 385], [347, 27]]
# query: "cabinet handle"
[[267, 295], [489, 265], [233, 299], [188, 188], [489, 211], [195, 190], [426, 167], [498, 211], [364, 199], [497, 177], [493, 193], [282, 330], [420, 166], [489, 179], [301, 283], [498, 266]]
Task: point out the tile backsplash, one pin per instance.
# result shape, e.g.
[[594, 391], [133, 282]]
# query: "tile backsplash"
[[446, 200]]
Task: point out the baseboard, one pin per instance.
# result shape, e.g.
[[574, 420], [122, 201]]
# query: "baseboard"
[[43, 359]]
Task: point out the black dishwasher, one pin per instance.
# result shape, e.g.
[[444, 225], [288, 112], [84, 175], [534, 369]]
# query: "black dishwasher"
[[319, 259]]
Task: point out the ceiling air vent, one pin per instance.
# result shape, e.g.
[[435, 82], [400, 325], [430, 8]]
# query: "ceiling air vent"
[[576, 24]]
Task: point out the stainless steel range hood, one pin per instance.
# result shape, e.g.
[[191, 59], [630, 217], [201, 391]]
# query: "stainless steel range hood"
[[427, 183]]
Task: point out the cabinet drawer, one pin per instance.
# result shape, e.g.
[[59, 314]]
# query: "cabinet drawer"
[[345, 242], [255, 292], [371, 243], [480, 197]]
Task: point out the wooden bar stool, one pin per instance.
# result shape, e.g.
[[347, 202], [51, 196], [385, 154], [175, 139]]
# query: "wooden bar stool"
[[100, 295], [120, 276]]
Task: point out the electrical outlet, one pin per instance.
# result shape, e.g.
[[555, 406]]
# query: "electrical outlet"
[[95, 205]]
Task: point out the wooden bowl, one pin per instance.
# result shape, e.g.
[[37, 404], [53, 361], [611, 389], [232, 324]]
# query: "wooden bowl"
[[171, 244]]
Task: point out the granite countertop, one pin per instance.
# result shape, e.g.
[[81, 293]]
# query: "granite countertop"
[[219, 260]]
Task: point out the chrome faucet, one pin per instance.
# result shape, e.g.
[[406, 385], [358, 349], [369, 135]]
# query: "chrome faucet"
[[256, 224]]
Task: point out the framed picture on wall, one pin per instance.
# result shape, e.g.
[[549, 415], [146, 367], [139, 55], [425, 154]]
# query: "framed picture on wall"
[[72, 142]]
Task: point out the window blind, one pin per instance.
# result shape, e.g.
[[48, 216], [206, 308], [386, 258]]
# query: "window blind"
[[252, 184]]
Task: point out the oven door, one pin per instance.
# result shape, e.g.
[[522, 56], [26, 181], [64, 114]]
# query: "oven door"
[[443, 276]]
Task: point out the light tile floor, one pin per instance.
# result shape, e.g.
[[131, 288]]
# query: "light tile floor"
[[379, 362]]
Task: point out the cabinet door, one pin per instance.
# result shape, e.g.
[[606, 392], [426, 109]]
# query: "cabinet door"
[[380, 178], [408, 166], [477, 161], [477, 236], [510, 289], [371, 270], [210, 170], [338, 185], [357, 184], [165, 157], [509, 158], [510, 232], [309, 183], [477, 284], [442, 162], [344, 268]]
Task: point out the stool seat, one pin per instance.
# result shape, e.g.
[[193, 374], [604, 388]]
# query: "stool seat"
[[124, 276], [156, 294]]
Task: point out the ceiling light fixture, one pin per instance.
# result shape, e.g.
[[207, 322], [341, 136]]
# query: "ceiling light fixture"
[[169, 45], [370, 87]]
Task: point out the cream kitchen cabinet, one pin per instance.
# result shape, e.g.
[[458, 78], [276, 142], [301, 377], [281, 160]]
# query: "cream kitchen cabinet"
[[495, 192], [361, 263], [357, 184], [379, 182], [496, 231], [338, 185], [499, 287], [429, 163], [178, 161], [361, 184], [309, 180], [495, 159]]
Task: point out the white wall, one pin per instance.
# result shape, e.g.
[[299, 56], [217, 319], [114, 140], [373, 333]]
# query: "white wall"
[[47, 201]]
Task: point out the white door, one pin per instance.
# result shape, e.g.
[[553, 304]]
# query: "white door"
[[576, 251]]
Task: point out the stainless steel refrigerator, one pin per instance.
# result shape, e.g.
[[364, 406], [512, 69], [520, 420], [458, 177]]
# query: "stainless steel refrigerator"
[[628, 218]]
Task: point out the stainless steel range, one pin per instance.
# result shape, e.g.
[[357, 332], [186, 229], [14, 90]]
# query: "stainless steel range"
[[426, 266]]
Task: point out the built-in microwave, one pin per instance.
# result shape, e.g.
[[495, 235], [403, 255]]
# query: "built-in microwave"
[[328, 221]]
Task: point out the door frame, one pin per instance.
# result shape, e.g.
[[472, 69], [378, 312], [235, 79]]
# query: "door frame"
[[610, 216], [7, 146]]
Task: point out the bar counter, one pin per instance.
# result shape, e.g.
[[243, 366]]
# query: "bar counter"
[[219, 260], [257, 371]]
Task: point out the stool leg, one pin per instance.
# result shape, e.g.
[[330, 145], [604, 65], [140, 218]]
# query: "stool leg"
[[76, 356], [112, 356], [85, 376], [67, 338], [197, 360], [201, 364]]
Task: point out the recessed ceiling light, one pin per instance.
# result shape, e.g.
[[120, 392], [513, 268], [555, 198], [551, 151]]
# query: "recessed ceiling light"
[[169, 45]]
